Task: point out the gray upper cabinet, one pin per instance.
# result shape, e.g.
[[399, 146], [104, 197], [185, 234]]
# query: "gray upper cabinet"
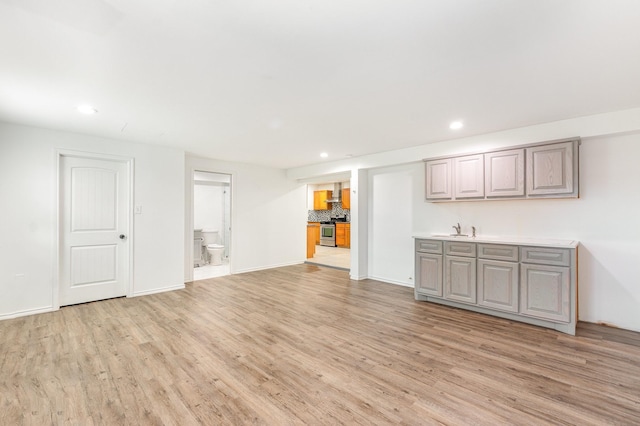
[[504, 173], [438, 179], [543, 170], [469, 173], [550, 169]]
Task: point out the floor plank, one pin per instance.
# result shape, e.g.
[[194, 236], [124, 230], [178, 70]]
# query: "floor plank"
[[306, 345]]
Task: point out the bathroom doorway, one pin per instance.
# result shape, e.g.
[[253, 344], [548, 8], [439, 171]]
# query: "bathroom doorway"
[[211, 224]]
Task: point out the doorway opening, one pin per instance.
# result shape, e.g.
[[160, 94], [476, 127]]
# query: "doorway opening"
[[329, 224], [211, 224]]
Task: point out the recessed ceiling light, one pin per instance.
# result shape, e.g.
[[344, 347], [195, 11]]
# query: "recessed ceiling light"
[[455, 125], [87, 109], [324, 155]]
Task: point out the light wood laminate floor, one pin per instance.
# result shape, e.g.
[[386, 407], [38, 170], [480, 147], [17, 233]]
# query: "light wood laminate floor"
[[305, 345]]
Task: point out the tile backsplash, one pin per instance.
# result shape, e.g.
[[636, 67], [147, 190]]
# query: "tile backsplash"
[[326, 215]]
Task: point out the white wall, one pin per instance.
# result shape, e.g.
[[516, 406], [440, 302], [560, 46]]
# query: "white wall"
[[28, 224], [208, 203], [604, 219], [391, 201], [268, 215]]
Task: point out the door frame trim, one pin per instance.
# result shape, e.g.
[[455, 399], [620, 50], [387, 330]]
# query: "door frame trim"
[[130, 163]]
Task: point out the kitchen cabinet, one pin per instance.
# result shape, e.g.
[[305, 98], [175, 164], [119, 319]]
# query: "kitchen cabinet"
[[550, 169], [460, 271], [544, 292], [545, 283], [460, 279], [504, 173], [343, 234], [346, 198], [469, 176], [527, 280], [311, 246], [438, 179], [498, 285], [543, 170], [316, 231], [498, 277], [428, 268], [320, 200]]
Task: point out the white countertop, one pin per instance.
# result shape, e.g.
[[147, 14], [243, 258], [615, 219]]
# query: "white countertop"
[[518, 241]]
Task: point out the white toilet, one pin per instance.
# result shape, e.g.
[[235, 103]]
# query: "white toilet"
[[215, 250]]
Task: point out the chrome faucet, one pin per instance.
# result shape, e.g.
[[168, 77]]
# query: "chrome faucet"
[[457, 228], [473, 229]]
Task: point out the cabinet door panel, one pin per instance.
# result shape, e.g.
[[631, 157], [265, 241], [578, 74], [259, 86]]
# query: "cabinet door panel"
[[438, 179], [460, 279], [346, 198], [498, 285], [544, 292], [320, 200], [429, 274], [504, 171], [550, 169], [469, 172]]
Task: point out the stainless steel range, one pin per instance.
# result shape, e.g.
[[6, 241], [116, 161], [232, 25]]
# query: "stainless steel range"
[[328, 234]]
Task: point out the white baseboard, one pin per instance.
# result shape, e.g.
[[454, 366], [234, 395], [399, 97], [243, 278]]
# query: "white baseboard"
[[27, 313], [262, 268], [158, 290], [358, 278], [388, 281]]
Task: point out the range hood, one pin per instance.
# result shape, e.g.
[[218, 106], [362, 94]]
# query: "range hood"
[[336, 195]]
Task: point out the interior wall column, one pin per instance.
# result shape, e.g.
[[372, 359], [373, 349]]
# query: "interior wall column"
[[359, 224]]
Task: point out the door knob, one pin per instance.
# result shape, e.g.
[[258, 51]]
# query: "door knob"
[[122, 236]]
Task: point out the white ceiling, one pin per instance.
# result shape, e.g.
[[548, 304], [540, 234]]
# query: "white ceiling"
[[275, 82]]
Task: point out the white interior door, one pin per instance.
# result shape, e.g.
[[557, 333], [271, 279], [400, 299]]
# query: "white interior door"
[[94, 229]]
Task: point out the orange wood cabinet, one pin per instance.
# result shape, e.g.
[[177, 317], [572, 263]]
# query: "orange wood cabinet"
[[311, 241], [320, 200], [316, 228], [346, 198], [343, 235]]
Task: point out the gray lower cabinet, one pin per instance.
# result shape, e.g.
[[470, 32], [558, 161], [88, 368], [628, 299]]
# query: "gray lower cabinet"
[[537, 285], [544, 292], [429, 277], [460, 279], [428, 268], [498, 285]]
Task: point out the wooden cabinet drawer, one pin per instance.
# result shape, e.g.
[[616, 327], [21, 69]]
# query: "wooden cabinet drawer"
[[454, 248], [429, 246], [545, 256], [498, 252]]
